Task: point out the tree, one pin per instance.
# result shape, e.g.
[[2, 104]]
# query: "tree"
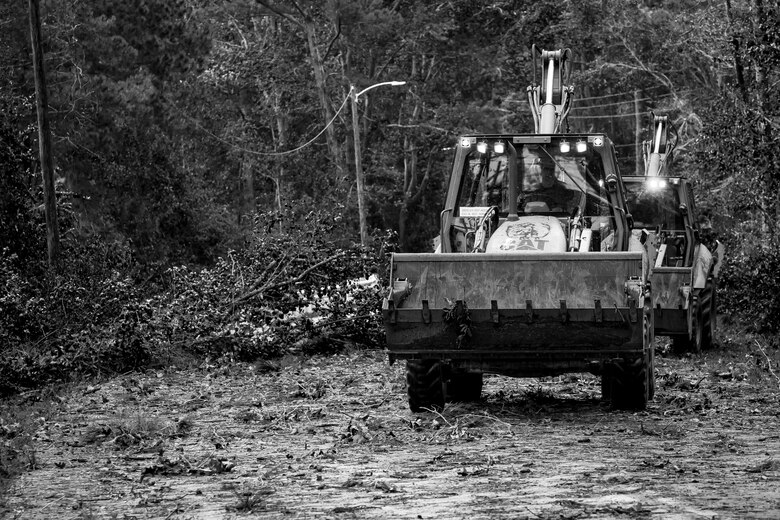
[[308, 18], [44, 136]]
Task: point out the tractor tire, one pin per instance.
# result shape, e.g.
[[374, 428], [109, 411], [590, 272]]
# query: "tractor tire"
[[649, 332], [651, 374], [606, 387], [708, 315], [683, 343], [629, 383], [424, 384], [464, 387]]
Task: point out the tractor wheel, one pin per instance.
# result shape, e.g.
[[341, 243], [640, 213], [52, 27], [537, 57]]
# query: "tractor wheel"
[[606, 387], [694, 344], [651, 375], [464, 386], [649, 344], [629, 383], [424, 384], [708, 315]]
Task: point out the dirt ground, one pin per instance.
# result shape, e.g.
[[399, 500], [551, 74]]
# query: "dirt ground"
[[332, 437]]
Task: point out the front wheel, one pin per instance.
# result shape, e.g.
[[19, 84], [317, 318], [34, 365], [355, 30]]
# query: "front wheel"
[[424, 384], [464, 386], [629, 383]]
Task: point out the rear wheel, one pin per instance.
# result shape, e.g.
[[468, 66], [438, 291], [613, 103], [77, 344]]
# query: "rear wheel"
[[695, 342], [708, 315], [651, 375], [464, 386], [424, 384]]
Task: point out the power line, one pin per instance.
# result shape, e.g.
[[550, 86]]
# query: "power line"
[[626, 101], [286, 152], [630, 93], [632, 114], [343, 104]]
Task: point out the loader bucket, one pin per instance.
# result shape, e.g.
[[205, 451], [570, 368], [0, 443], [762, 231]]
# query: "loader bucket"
[[671, 288], [574, 307]]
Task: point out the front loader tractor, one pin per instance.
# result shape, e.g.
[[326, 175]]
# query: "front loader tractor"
[[536, 272], [685, 259]]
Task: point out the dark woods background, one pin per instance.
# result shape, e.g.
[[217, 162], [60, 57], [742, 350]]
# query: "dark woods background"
[[187, 233]]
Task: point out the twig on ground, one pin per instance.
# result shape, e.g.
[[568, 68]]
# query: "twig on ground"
[[440, 415], [486, 415], [768, 362]]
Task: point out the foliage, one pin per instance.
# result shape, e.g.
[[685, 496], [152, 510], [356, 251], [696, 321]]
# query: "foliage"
[[285, 293], [294, 291], [20, 224], [459, 316], [750, 279]]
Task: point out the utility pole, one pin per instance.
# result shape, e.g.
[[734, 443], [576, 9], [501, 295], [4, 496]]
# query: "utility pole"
[[44, 136], [354, 95], [358, 169]]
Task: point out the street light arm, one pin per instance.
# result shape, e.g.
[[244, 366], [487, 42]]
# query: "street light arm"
[[391, 83]]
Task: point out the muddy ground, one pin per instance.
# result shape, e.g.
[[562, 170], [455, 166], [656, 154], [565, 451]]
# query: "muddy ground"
[[332, 437]]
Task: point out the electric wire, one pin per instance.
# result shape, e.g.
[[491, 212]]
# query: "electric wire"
[[610, 116], [630, 93], [266, 154], [617, 103]]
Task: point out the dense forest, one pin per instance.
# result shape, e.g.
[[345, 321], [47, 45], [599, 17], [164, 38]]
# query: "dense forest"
[[204, 158]]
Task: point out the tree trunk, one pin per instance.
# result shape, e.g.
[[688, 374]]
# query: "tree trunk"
[[760, 39], [410, 173], [247, 206], [327, 112], [739, 68], [44, 137], [639, 168], [281, 126]]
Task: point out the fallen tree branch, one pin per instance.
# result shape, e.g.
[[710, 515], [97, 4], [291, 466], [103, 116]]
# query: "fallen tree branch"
[[267, 287]]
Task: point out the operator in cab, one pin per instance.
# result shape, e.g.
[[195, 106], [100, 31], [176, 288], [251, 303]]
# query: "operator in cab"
[[543, 192]]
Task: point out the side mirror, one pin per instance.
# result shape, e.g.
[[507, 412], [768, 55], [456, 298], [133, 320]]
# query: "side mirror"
[[630, 220]]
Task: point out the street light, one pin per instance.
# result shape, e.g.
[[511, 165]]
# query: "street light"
[[358, 165]]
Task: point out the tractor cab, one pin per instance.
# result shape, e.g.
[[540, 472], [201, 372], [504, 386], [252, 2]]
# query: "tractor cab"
[[532, 193], [660, 206]]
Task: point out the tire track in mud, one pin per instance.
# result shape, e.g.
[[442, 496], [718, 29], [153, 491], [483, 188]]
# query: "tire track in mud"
[[332, 437]]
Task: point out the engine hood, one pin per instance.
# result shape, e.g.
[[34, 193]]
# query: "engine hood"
[[528, 234]]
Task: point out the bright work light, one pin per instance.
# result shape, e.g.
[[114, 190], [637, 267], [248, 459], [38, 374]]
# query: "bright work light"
[[656, 184]]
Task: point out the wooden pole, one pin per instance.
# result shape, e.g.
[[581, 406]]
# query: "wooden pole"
[[358, 169], [44, 136]]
